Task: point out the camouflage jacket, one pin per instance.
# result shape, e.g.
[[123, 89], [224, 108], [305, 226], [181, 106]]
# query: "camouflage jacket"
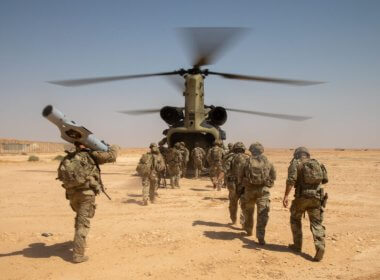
[[198, 153], [215, 156], [174, 157], [185, 154]]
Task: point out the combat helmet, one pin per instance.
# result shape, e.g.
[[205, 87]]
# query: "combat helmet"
[[153, 145], [218, 142], [299, 150], [256, 148], [238, 146], [177, 145]]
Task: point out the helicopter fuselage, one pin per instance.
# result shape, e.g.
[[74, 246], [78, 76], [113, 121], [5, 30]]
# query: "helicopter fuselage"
[[196, 130]]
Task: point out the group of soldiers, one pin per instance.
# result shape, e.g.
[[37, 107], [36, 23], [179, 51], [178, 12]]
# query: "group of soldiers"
[[248, 178]]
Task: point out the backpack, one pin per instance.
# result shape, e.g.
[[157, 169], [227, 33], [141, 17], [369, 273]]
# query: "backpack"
[[75, 169], [238, 164], [257, 171], [216, 155], [144, 166], [312, 171]]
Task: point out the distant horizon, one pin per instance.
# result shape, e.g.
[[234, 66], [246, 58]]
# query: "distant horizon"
[[225, 143]]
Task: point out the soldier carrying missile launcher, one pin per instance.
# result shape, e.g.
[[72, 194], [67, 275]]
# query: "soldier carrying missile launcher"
[[79, 173]]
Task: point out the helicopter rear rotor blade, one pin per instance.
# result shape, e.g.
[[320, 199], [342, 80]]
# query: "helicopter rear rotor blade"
[[265, 79], [271, 115], [88, 81], [205, 44], [140, 112]]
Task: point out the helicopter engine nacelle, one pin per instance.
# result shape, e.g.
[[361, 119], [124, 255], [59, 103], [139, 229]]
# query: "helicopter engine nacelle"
[[217, 116], [171, 115]]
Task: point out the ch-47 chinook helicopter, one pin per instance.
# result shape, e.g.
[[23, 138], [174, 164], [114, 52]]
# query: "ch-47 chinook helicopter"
[[197, 123]]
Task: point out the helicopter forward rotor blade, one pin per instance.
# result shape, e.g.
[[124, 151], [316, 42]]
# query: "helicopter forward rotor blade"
[[140, 112], [88, 81], [265, 79], [271, 115], [205, 44]]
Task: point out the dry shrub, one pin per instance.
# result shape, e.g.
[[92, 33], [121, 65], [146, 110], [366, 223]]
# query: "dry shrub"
[[33, 158]]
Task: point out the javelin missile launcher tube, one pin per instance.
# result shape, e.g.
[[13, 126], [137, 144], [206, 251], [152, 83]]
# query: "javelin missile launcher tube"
[[71, 132]]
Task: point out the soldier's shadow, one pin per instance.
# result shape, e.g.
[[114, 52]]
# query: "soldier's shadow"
[[41, 250], [248, 243], [132, 201]]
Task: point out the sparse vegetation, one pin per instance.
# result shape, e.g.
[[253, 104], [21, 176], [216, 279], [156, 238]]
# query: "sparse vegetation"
[[24, 153], [33, 158], [58, 157]]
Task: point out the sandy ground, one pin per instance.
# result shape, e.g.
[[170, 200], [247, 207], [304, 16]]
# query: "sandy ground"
[[186, 234]]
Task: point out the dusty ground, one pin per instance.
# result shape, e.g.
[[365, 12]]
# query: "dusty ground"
[[186, 234]]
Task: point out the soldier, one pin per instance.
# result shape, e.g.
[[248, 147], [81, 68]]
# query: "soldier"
[[174, 161], [185, 158], [80, 174], [162, 175], [234, 165], [230, 147], [215, 160], [198, 156], [149, 168], [259, 177], [307, 176]]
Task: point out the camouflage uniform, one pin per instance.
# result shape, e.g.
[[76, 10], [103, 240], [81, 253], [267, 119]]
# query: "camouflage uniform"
[[185, 158], [198, 155], [174, 160], [162, 175], [82, 197], [230, 147], [150, 180], [234, 164], [307, 198], [215, 160], [257, 194]]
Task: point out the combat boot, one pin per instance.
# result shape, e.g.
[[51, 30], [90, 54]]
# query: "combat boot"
[[262, 241], [319, 254], [145, 202], [80, 259]]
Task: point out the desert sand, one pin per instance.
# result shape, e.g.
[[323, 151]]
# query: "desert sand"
[[186, 234]]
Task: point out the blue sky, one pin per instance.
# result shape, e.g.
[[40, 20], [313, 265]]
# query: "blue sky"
[[333, 41]]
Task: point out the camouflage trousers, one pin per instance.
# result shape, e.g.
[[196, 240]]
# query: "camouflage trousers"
[[184, 169], [234, 195], [217, 176], [174, 174], [149, 188], [259, 197], [315, 212], [84, 206], [198, 166]]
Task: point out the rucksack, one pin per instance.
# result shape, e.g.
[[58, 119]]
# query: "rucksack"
[[257, 171], [312, 171], [216, 155], [75, 169], [144, 166], [238, 164]]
